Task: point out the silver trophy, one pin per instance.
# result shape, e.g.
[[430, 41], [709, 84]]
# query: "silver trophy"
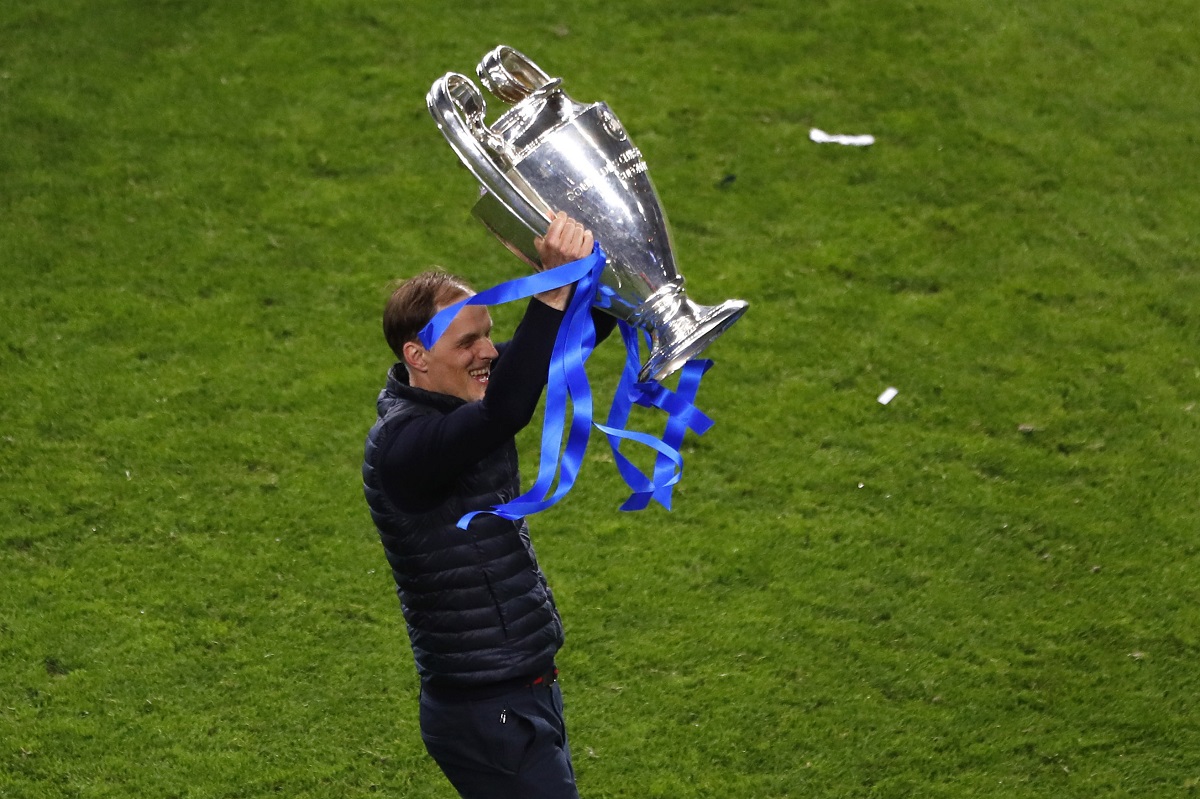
[[549, 153]]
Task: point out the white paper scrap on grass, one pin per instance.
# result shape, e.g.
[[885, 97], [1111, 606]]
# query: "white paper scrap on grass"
[[821, 137], [888, 395]]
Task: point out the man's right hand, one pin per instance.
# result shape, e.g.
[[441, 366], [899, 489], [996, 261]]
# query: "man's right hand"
[[565, 241]]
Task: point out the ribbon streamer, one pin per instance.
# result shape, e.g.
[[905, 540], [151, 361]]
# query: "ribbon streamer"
[[568, 386], [682, 416], [514, 290]]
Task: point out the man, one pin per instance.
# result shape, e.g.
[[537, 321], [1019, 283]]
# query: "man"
[[481, 619]]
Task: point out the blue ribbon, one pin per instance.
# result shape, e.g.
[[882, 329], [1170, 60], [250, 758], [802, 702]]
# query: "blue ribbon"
[[682, 416], [515, 290], [567, 385]]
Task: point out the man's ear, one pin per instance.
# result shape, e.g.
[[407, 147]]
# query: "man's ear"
[[414, 357]]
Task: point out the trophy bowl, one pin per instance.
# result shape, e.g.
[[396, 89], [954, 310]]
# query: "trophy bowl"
[[549, 153]]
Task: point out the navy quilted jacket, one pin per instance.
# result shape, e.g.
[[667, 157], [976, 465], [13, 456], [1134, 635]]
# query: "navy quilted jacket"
[[477, 606]]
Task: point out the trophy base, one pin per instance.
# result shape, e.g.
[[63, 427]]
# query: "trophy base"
[[673, 350]]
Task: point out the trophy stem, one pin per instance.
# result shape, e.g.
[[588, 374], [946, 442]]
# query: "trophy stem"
[[689, 330]]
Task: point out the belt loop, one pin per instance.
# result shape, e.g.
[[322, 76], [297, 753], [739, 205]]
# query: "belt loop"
[[549, 678]]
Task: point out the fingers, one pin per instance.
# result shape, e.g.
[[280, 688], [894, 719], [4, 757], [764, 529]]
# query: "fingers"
[[566, 240], [564, 233]]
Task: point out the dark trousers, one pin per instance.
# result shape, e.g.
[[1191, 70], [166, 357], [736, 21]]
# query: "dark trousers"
[[512, 746]]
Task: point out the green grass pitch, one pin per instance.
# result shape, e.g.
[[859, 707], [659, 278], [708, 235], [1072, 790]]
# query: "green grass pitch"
[[986, 588]]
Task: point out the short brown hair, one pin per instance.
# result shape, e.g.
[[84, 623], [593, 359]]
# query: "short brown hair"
[[414, 302]]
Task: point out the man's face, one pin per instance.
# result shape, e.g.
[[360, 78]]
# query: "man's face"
[[461, 360]]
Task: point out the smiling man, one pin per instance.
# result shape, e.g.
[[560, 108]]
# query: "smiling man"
[[460, 364], [481, 619]]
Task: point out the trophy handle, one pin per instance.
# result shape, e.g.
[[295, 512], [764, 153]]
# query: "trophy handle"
[[458, 109], [510, 75]]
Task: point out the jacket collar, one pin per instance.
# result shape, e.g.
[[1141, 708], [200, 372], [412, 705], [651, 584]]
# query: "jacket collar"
[[399, 388]]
